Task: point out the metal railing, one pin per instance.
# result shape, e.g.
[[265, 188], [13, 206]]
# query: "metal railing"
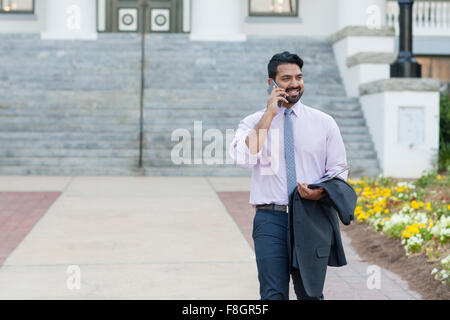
[[430, 17]]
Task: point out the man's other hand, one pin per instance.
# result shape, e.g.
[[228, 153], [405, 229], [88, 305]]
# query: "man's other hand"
[[311, 194]]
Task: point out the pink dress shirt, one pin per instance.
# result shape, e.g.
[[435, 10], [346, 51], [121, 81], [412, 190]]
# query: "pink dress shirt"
[[319, 151]]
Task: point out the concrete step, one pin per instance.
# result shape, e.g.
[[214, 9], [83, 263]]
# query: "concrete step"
[[122, 119], [165, 141], [66, 161], [61, 126], [156, 154], [19, 114], [167, 126], [71, 171], [130, 144], [232, 171], [68, 136], [150, 171], [356, 163], [68, 153]]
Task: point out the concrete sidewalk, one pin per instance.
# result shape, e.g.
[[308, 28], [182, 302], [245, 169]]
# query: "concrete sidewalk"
[[145, 238]]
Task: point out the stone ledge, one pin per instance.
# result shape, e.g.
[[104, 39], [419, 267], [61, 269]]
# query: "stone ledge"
[[361, 31], [18, 16], [399, 84], [371, 58], [20, 36], [264, 19]]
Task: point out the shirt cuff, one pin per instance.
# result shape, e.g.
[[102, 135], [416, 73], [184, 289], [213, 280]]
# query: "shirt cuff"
[[245, 154]]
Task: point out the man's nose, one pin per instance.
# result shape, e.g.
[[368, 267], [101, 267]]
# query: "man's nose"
[[294, 84]]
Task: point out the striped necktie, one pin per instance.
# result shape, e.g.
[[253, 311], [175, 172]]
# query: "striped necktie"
[[291, 177], [289, 153]]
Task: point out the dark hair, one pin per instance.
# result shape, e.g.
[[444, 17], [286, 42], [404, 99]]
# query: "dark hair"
[[282, 58]]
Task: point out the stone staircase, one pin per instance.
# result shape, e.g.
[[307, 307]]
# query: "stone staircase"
[[72, 107], [69, 107]]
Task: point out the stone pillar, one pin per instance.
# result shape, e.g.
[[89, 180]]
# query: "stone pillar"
[[70, 19], [403, 119], [370, 13], [217, 20]]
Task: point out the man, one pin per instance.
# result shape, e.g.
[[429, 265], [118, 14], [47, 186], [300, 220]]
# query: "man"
[[288, 147]]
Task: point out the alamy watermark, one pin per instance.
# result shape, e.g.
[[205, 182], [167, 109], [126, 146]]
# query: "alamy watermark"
[[374, 278], [184, 153], [73, 21], [73, 281], [374, 17]]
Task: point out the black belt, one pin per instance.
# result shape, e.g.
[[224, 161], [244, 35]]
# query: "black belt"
[[277, 207]]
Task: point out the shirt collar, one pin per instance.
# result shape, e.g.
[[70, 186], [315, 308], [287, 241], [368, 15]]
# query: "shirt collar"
[[296, 108]]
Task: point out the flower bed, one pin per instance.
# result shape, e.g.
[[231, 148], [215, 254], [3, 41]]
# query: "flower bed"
[[416, 211]]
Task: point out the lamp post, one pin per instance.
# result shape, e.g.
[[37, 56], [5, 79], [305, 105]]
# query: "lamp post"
[[405, 65], [143, 5]]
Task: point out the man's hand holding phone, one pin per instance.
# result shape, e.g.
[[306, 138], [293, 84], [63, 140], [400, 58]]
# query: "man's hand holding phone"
[[276, 98], [259, 134]]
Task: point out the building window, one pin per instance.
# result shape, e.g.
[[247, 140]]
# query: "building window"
[[273, 8], [16, 6]]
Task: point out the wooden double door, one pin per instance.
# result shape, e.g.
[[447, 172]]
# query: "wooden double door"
[[161, 15]]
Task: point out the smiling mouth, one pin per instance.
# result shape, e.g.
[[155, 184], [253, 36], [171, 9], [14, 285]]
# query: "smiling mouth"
[[293, 92]]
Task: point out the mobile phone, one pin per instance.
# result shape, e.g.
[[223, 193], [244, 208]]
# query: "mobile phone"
[[269, 90]]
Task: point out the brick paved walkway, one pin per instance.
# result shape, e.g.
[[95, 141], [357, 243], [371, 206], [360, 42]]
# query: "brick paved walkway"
[[342, 283], [19, 212]]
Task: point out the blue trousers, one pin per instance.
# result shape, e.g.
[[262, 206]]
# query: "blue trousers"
[[271, 250]]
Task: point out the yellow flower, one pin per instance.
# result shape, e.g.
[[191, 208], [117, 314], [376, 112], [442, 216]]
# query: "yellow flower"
[[428, 206], [414, 204], [406, 234], [414, 230], [386, 210], [387, 218], [420, 204], [438, 177], [448, 207]]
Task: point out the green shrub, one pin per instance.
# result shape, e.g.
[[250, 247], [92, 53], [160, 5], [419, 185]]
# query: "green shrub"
[[444, 134]]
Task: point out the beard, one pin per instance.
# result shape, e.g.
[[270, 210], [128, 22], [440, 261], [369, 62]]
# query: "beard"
[[294, 99]]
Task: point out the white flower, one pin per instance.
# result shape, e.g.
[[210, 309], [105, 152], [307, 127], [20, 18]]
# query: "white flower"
[[420, 217], [442, 228], [415, 240], [434, 271]]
